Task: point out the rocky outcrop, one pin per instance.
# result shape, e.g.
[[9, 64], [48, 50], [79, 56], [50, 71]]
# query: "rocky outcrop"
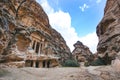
[[81, 52], [108, 31], [24, 25]]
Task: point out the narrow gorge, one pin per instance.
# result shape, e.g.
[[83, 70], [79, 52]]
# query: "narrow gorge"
[[31, 49]]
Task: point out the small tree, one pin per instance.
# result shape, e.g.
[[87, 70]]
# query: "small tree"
[[71, 63], [98, 62]]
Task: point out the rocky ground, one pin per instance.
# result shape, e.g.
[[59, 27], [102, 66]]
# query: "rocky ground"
[[82, 73]]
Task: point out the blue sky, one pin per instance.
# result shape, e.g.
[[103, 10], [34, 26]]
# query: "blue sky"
[[75, 19]]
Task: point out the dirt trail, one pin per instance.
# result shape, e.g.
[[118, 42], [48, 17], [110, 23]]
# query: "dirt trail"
[[83, 73]]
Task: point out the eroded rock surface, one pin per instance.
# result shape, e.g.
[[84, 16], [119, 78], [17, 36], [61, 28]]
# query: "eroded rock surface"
[[81, 52], [108, 31], [24, 26]]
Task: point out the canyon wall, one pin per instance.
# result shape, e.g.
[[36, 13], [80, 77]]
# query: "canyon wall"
[[24, 26], [108, 31]]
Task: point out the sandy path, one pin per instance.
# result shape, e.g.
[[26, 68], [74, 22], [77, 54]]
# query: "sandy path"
[[84, 73], [42, 73]]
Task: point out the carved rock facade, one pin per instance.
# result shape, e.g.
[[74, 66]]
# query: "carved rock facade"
[[108, 31], [26, 35]]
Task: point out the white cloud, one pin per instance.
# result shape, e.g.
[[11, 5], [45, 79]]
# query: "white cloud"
[[61, 21], [85, 6], [48, 9], [90, 40], [98, 1]]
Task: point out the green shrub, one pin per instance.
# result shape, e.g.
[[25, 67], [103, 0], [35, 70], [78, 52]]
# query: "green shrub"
[[71, 63], [3, 72], [86, 64], [98, 62]]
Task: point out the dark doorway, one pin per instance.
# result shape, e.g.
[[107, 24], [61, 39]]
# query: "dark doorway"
[[28, 63], [37, 64], [76, 57], [48, 64], [44, 64], [33, 46], [37, 47]]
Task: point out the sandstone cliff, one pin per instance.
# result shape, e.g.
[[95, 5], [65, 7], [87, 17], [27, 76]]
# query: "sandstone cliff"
[[108, 31], [81, 52], [24, 24]]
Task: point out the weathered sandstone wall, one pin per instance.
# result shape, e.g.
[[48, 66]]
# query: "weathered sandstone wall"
[[108, 31], [22, 21]]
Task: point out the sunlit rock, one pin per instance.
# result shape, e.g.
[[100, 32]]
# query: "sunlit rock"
[[108, 31], [82, 53], [24, 25]]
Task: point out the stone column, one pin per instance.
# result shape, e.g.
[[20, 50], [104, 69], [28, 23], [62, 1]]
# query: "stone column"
[[39, 49], [42, 43], [46, 63], [31, 44], [40, 64], [34, 63]]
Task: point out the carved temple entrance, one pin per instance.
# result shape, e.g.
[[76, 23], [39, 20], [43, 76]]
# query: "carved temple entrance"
[[36, 56], [38, 64]]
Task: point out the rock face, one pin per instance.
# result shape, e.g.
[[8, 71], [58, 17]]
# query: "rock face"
[[25, 34], [108, 31], [81, 52]]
